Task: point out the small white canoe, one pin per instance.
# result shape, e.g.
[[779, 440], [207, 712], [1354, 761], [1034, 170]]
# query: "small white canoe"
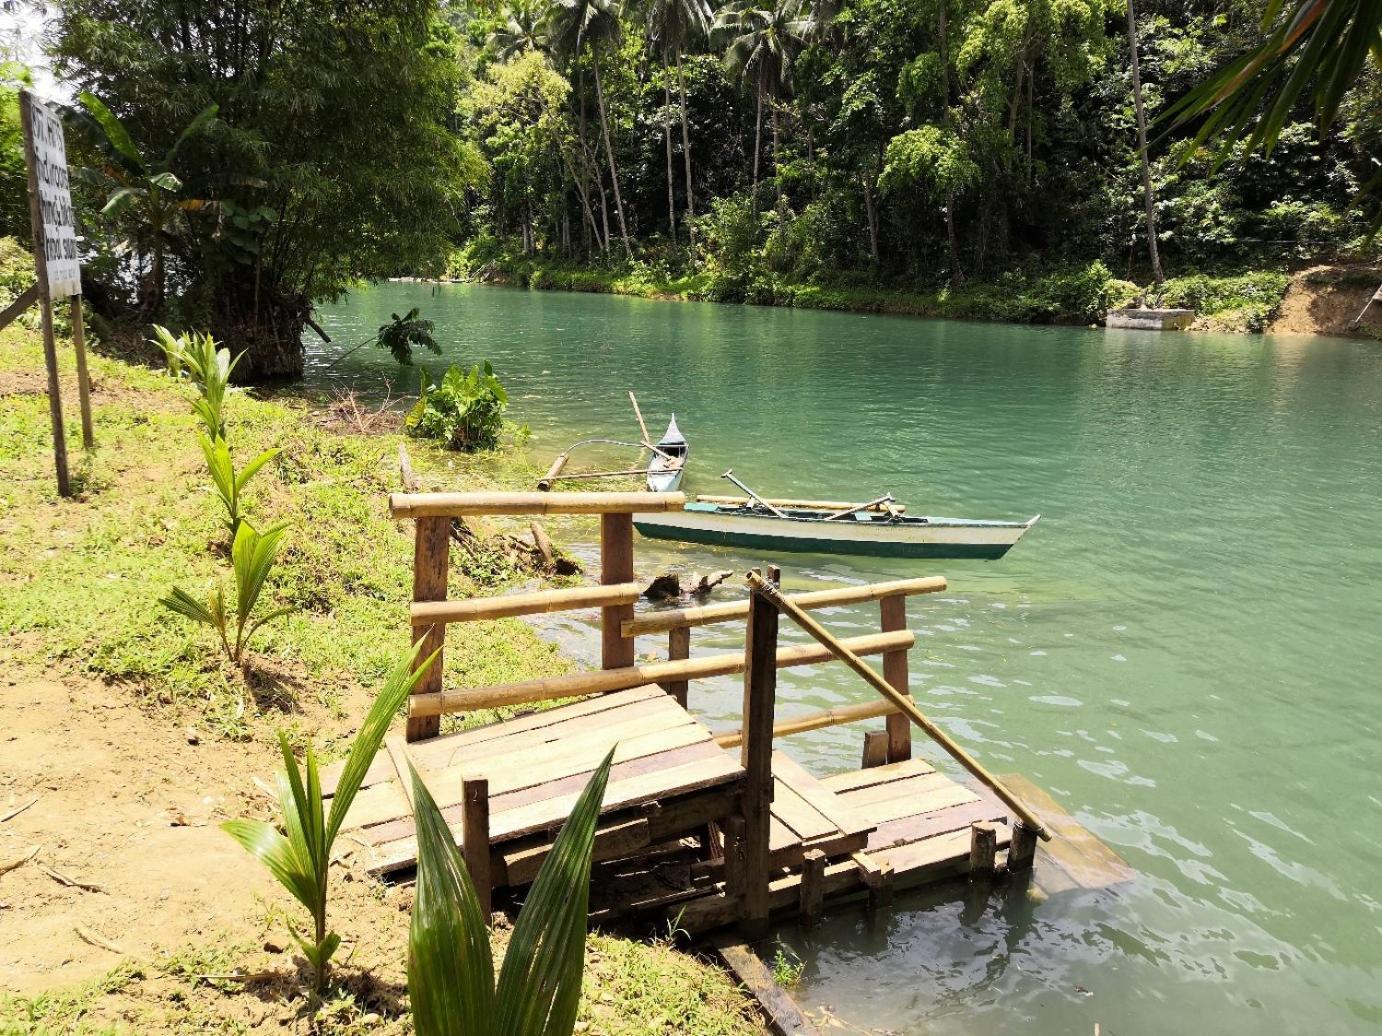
[[667, 467]]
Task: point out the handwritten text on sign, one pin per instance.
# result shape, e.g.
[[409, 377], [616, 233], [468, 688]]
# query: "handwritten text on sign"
[[55, 203]]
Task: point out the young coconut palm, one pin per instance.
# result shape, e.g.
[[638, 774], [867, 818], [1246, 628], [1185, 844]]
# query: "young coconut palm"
[[450, 971], [207, 367], [301, 859], [252, 558], [230, 483]]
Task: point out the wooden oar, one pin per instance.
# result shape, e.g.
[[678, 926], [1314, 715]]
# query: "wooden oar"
[[752, 495], [904, 702], [886, 498]]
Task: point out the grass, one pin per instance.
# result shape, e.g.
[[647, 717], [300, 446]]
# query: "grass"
[[79, 583]]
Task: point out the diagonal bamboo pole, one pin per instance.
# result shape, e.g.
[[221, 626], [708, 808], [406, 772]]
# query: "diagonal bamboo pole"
[[904, 703]]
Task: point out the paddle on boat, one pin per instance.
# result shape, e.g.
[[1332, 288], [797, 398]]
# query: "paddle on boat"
[[879, 528]]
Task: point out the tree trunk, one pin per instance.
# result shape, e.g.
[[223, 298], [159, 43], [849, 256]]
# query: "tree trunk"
[[667, 140], [1142, 151], [609, 154], [777, 174], [757, 146], [957, 275], [872, 216], [686, 155]]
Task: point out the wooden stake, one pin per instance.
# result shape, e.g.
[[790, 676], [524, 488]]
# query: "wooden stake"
[[1022, 848], [431, 565], [983, 847], [893, 616], [678, 648], [773, 595], [50, 349], [875, 749], [812, 889], [475, 838], [756, 757], [83, 382], [616, 566]]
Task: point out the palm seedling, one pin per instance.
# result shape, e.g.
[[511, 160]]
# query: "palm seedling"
[[450, 970], [252, 559], [206, 366], [299, 856], [229, 483]]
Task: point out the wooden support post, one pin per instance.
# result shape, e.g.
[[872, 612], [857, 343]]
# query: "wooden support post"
[[431, 565], [678, 648], [983, 847], [83, 381], [893, 615], [812, 887], [732, 828], [875, 749], [756, 757], [1022, 848], [881, 887], [616, 566], [45, 301], [475, 835]]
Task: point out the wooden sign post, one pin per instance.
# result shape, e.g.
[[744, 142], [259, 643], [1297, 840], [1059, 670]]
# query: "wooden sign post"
[[56, 263]]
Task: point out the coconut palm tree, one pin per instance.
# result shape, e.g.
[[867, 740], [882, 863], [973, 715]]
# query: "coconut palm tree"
[[572, 27], [674, 26], [523, 31], [764, 44]]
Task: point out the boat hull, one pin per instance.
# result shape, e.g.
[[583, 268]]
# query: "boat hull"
[[934, 538]]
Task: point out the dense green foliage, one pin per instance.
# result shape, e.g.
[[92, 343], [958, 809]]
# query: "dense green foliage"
[[464, 411]]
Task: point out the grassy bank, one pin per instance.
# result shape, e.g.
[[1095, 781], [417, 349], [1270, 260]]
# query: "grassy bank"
[[136, 739], [1057, 294]]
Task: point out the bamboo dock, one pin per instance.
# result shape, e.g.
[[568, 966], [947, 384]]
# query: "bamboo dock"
[[713, 827]]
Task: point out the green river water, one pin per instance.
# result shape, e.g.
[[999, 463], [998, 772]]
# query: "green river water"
[[1186, 651]]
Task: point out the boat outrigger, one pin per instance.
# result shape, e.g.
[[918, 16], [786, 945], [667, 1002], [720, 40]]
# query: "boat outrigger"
[[666, 459], [879, 528]]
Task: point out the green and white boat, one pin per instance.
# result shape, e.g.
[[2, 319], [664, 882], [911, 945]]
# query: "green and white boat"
[[877, 528]]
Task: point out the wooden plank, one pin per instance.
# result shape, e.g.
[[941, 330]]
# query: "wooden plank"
[[612, 841], [931, 860], [937, 822], [478, 609], [756, 756], [875, 748], [798, 814], [616, 566], [703, 615], [431, 564], [846, 782], [919, 785], [841, 815], [460, 505], [913, 805], [603, 681], [1087, 861], [779, 1010], [531, 730], [893, 616], [475, 839]]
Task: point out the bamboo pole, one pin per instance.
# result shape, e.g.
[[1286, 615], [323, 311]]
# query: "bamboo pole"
[[460, 505], [708, 614], [604, 681], [537, 603], [639, 414], [583, 475], [904, 703], [814, 505], [545, 483], [815, 721]]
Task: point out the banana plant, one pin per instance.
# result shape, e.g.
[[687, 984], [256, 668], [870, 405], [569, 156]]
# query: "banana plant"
[[252, 557], [301, 858], [450, 971], [229, 483]]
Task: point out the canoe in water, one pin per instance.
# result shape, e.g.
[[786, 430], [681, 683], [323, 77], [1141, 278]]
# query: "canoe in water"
[[666, 468], [804, 530]]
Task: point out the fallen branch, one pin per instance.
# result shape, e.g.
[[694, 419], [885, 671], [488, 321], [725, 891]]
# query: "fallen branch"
[[95, 939], [19, 861], [18, 810], [63, 879]]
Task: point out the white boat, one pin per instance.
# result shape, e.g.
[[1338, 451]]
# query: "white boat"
[[668, 462]]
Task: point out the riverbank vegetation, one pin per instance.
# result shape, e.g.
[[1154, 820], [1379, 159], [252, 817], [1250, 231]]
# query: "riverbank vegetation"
[[139, 737]]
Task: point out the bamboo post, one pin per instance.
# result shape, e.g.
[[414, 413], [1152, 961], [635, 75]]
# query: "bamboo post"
[[45, 301], [1022, 848], [545, 483], [83, 381], [616, 566], [770, 593], [893, 616], [756, 757], [983, 848], [875, 749], [431, 563], [679, 648], [812, 889], [475, 838]]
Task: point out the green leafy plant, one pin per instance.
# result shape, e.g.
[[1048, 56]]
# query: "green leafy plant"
[[450, 970], [403, 333], [465, 411], [229, 483], [207, 367], [301, 858], [787, 966], [252, 559]]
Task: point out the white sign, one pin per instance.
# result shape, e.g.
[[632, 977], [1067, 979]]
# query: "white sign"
[[55, 203]]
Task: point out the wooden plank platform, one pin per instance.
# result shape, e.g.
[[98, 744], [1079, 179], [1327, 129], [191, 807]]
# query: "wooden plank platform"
[[537, 765]]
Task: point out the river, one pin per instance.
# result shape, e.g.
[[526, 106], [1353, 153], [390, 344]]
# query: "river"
[[1186, 651]]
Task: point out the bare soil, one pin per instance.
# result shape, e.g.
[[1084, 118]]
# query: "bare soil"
[[1325, 300]]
